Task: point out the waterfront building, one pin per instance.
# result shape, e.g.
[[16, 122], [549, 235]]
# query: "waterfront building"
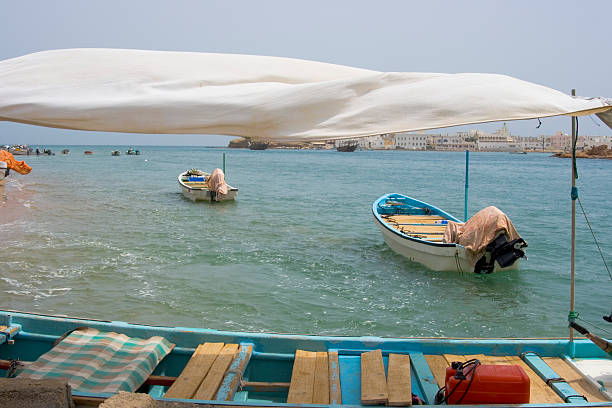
[[411, 141]]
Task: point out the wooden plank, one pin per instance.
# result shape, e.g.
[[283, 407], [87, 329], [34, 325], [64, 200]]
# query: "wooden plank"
[[320, 393], [414, 217], [234, 375], [539, 391], [437, 365], [302, 378], [335, 393], [210, 385], [425, 229], [398, 380], [373, 380], [574, 379], [194, 372]]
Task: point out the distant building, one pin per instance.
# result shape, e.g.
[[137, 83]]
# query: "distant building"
[[411, 141]]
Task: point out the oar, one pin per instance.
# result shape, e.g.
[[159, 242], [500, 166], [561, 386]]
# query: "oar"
[[603, 344]]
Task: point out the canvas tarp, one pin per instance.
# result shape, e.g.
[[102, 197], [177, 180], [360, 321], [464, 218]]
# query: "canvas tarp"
[[216, 183], [482, 228], [19, 166], [272, 98]]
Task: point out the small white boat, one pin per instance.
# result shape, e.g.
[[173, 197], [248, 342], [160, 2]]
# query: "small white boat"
[[196, 185], [416, 230]]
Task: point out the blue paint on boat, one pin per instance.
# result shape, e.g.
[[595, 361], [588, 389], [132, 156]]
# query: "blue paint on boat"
[[273, 354]]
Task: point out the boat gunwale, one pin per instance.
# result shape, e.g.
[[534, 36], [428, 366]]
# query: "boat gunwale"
[[400, 234]]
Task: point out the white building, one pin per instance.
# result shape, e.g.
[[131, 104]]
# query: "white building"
[[411, 141]]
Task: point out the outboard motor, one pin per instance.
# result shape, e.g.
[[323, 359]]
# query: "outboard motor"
[[4, 170], [501, 250]]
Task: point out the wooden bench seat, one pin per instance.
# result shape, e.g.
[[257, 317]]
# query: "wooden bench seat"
[[394, 389], [206, 371], [315, 378]]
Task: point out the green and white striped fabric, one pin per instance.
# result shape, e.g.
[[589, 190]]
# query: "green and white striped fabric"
[[98, 362]]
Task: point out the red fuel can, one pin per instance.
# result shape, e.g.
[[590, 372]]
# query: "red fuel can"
[[487, 384]]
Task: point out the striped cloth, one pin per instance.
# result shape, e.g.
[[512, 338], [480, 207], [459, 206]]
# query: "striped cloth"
[[98, 362]]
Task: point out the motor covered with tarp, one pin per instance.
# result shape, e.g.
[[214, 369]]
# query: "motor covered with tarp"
[[488, 237]]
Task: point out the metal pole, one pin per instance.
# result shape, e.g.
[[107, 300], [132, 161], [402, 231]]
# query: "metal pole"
[[223, 163], [573, 253], [467, 168]]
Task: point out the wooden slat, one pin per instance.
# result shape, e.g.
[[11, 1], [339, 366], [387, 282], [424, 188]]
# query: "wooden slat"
[[335, 393], [425, 229], [437, 365], [234, 375], [539, 391], [574, 379], [320, 393], [194, 372], [411, 218], [398, 380], [210, 385], [373, 380], [302, 378]]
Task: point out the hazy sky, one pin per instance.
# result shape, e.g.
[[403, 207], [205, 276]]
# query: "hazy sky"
[[561, 44]]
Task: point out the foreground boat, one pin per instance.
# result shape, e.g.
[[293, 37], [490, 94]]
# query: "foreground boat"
[[416, 230], [260, 369], [200, 186]]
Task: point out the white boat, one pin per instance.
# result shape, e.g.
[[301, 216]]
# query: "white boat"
[[195, 186], [416, 230]]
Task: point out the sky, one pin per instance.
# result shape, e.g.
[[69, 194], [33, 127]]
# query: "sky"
[[561, 44]]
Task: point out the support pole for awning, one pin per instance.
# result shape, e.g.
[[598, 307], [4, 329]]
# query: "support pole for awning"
[[467, 167], [574, 195]]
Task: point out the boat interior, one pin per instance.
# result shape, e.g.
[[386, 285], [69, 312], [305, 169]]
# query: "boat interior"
[[426, 227], [262, 368]]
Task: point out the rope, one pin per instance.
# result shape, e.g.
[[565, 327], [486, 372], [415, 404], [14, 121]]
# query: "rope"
[[595, 239], [575, 140]]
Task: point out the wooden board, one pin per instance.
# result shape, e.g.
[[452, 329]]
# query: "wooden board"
[[373, 380], [194, 372], [232, 379], [539, 391], [574, 379], [320, 393], [210, 385], [335, 393], [302, 378], [427, 229], [437, 365], [411, 218], [398, 380]]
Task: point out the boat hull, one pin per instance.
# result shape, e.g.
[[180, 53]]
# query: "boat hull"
[[273, 354], [437, 256], [204, 194]]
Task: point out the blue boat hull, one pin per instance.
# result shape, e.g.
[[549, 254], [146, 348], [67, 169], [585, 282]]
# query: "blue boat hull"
[[273, 354]]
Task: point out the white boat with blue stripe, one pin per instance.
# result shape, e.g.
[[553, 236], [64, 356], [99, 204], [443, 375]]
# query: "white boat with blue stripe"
[[415, 229]]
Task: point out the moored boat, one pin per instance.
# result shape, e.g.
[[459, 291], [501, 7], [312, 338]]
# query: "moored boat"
[[426, 234], [200, 186], [132, 152], [259, 369], [347, 146], [115, 153], [66, 151]]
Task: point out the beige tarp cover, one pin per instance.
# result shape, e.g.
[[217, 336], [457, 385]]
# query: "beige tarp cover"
[[482, 228], [216, 183], [278, 99]]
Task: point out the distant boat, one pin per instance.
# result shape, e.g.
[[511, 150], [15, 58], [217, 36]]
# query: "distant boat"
[[518, 152], [198, 186], [132, 152], [416, 230], [258, 145], [347, 147], [66, 151], [88, 152], [115, 153]]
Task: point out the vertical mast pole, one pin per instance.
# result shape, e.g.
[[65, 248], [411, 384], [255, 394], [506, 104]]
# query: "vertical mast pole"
[[573, 253], [467, 167], [223, 163]]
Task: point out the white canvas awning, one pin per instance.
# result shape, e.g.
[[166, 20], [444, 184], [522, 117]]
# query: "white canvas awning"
[[276, 99]]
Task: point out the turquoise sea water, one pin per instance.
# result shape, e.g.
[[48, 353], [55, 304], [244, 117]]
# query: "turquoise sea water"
[[298, 251]]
